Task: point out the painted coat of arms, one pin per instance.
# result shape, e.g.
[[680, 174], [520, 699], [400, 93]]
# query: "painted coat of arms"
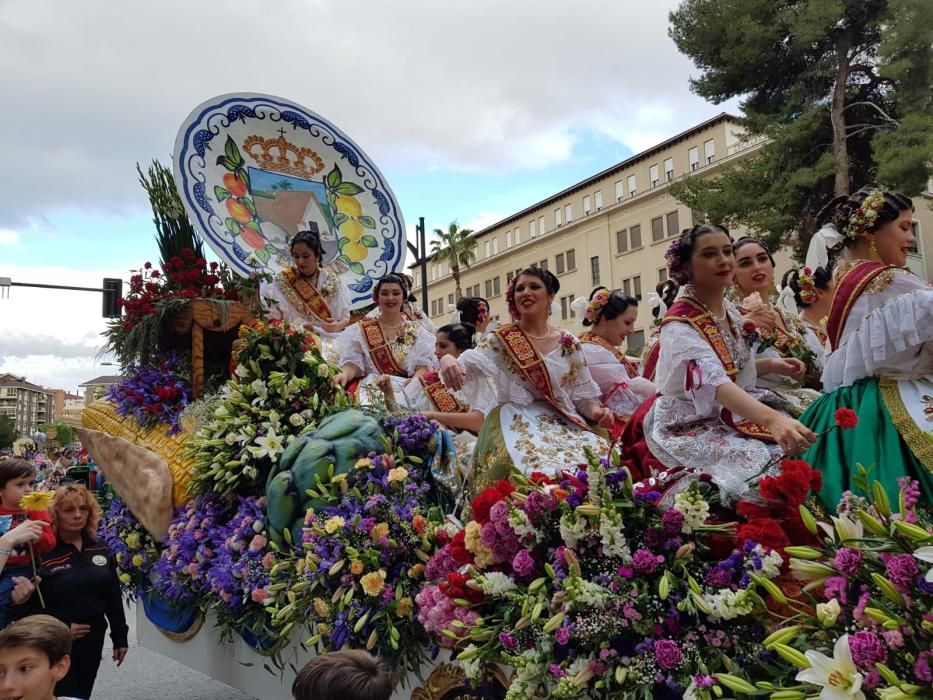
[[253, 170]]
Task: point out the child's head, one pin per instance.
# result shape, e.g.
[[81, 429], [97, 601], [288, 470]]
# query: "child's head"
[[34, 656], [348, 674], [17, 477]]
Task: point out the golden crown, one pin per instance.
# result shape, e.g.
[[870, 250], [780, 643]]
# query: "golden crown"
[[282, 156]]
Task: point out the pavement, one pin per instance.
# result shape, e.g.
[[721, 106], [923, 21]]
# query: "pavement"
[[146, 675]]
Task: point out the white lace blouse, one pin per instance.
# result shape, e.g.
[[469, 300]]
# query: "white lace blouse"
[[887, 333], [331, 288], [417, 349], [625, 393]]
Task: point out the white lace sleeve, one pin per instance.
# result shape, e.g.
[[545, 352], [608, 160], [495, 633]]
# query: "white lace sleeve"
[[892, 338], [578, 383], [340, 304], [681, 345], [271, 298], [421, 353], [352, 348], [816, 347]]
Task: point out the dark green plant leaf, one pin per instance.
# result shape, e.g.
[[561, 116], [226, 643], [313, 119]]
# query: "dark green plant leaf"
[[356, 268], [369, 241], [367, 221], [232, 225], [248, 203], [221, 193], [334, 178], [232, 152], [348, 188]]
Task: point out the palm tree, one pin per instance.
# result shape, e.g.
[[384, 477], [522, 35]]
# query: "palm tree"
[[455, 246]]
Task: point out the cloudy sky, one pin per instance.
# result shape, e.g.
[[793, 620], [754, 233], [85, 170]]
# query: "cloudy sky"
[[472, 110]]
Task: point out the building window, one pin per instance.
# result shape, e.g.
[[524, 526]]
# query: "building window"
[[518, 235], [496, 289], [566, 308], [488, 288], [632, 186], [635, 343], [533, 228], [559, 263], [662, 275], [541, 226], [594, 270], [653, 175], [571, 260], [709, 150], [693, 156], [657, 229], [620, 190], [433, 272], [508, 239], [486, 249], [509, 276], [557, 220], [598, 199], [673, 223], [669, 169], [543, 264], [568, 213], [634, 235], [622, 241], [450, 299], [631, 287], [587, 205], [495, 245]]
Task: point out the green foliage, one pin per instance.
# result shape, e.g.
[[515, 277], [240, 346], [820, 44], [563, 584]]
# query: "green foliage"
[[64, 434], [174, 231], [7, 431], [139, 344], [782, 59], [457, 247]]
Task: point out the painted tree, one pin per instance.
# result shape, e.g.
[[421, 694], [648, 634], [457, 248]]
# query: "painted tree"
[[842, 90], [456, 247]]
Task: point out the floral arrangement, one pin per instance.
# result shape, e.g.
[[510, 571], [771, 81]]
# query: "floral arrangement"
[[568, 344], [864, 217], [587, 587], [807, 284], [153, 394], [751, 335], [596, 304], [868, 630], [362, 560], [133, 548], [281, 388]]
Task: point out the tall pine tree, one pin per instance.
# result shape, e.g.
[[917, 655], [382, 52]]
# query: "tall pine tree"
[[842, 89]]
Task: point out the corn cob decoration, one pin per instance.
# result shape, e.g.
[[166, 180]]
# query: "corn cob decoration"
[[101, 415]]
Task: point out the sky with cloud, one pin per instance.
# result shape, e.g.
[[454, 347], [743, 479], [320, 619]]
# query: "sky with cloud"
[[472, 110]]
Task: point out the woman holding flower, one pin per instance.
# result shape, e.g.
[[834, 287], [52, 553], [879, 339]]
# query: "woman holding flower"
[[80, 587], [783, 334], [389, 344], [709, 416], [880, 329], [536, 377]]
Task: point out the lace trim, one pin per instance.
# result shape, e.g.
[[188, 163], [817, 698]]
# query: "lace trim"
[[919, 442]]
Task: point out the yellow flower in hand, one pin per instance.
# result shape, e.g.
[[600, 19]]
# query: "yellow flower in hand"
[[37, 501]]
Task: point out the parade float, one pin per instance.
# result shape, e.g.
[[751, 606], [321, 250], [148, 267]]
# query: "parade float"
[[260, 516]]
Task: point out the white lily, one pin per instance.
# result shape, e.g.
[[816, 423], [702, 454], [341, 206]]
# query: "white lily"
[[926, 554], [268, 446], [845, 527], [838, 676]]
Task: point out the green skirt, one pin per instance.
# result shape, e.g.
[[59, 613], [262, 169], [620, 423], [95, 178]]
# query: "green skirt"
[[875, 443]]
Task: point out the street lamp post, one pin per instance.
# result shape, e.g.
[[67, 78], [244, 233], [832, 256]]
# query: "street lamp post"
[[420, 250]]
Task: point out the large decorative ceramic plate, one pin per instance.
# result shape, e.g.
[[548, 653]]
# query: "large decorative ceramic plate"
[[253, 170]]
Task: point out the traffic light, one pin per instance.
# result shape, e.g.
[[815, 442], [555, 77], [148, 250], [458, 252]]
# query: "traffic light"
[[113, 297]]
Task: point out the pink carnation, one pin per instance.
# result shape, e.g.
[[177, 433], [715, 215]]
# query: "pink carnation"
[[902, 569], [259, 595], [847, 561], [867, 650], [667, 654]]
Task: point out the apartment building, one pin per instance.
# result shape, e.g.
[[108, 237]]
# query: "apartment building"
[[611, 229], [68, 407], [26, 403], [97, 388]]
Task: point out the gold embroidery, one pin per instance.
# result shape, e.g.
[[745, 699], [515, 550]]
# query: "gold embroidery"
[[919, 441], [881, 282]]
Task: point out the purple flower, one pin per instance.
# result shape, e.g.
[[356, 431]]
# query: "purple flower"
[[644, 562], [835, 587], [867, 650], [672, 521], [847, 561], [523, 563], [911, 490], [901, 570], [507, 640], [719, 577], [667, 654], [499, 511], [562, 636], [922, 668]]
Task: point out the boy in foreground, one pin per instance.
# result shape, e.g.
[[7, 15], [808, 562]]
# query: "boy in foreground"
[[348, 674], [34, 656]]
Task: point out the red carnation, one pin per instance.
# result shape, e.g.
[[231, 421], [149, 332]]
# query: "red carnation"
[[458, 549], [846, 418], [764, 531], [794, 483], [488, 498], [749, 327], [147, 265]]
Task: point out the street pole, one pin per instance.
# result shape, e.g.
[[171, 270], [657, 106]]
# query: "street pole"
[[420, 250]]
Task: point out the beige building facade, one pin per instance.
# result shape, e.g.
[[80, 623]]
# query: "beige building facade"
[[28, 404], [612, 230]]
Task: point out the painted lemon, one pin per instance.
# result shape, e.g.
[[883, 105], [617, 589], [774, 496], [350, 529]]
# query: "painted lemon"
[[355, 251], [352, 230], [349, 205]]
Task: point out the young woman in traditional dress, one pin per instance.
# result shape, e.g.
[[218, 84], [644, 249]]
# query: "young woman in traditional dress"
[[880, 328], [813, 291], [783, 334], [388, 344], [475, 311], [610, 318], [709, 417], [536, 377], [305, 294], [660, 301]]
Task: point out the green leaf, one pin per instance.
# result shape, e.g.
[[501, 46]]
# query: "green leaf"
[[243, 174], [232, 152], [253, 225], [248, 203], [367, 221], [340, 219], [232, 225], [221, 193], [348, 188], [343, 258], [369, 241], [227, 163], [263, 255], [356, 268], [334, 177]]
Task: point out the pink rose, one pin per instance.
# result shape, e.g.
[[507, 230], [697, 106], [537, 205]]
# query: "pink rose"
[[259, 595], [257, 543], [752, 302]]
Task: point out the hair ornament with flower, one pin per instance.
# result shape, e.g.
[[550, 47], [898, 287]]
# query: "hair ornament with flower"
[[510, 300], [807, 285], [865, 216], [597, 304], [676, 267], [483, 313]]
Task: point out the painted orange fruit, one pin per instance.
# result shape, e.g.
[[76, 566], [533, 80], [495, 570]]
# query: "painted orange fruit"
[[349, 205], [355, 251], [238, 211], [352, 230], [234, 185], [251, 238]]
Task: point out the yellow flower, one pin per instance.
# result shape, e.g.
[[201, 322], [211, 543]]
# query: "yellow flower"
[[125, 578], [379, 531], [365, 463], [398, 474], [473, 542], [416, 571], [340, 480], [405, 607], [373, 583], [828, 613], [321, 608], [37, 501], [356, 567], [334, 524], [132, 540], [138, 560], [323, 629]]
